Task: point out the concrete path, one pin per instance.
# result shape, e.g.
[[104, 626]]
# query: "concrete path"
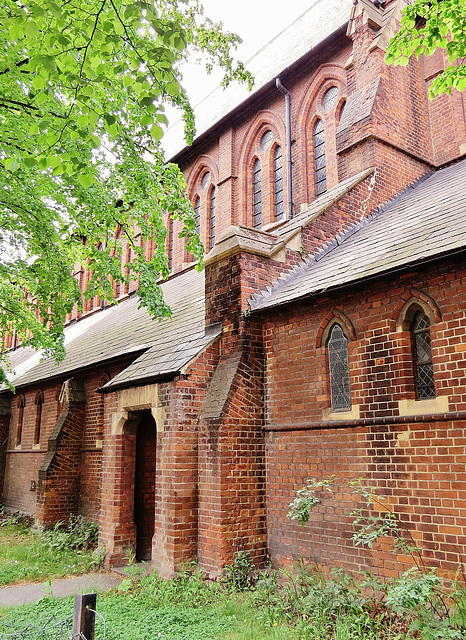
[[27, 593]]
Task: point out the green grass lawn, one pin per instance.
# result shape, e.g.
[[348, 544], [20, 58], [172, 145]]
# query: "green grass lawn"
[[27, 555], [132, 618]]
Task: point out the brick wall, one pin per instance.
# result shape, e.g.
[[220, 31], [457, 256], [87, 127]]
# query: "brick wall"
[[416, 462]]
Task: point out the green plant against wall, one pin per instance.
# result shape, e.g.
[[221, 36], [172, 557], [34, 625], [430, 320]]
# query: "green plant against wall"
[[434, 610]]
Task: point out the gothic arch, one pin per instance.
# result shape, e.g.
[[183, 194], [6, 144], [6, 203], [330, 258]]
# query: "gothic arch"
[[202, 164], [310, 110], [249, 150], [336, 316], [411, 302]]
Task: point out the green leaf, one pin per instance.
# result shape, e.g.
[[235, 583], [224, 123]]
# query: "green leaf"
[[156, 132], [83, 121], [86, 179]]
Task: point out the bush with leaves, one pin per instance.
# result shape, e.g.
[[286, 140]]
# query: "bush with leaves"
[[418, 595], [78, 534]]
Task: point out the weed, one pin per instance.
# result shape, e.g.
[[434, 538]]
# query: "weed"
[[239, 575], [77, 534]]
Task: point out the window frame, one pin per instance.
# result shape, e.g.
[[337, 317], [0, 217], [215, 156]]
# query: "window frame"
[[336, 386], [418, 362]]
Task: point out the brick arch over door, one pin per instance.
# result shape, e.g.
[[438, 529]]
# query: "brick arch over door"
[[309, 110], [248, 148]]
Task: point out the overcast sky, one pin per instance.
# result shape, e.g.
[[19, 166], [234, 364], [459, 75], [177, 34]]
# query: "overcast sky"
[[255, 21]]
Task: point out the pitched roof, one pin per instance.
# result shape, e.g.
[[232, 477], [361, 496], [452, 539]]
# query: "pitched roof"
[[323, 18], [425, 221], [126, 329]]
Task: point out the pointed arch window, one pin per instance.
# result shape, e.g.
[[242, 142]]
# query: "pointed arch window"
[[212, 217], [319, 158], [422, 356], [338, 361], [39, 403], [257, 194], [197, 214], [278, 182], [19, 426]]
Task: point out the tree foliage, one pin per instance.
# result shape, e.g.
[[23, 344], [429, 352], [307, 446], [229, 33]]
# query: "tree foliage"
[[83, 90], [427, 25]]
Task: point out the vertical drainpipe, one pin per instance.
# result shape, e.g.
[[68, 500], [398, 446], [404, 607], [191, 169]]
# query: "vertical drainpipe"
[[286, 93]]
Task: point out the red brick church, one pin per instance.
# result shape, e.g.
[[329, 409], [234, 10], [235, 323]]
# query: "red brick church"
[[326, 335]]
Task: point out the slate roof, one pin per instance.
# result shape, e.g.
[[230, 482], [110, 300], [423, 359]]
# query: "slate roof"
[[124, 329], [323, 18], [425, 221]]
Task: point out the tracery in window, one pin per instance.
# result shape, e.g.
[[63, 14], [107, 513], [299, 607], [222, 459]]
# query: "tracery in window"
[[319, 158], [278, 182], [205, 180], [212, 218], [266, 140], [422, 355], [338, 361], [256, 194], [39, 403], [330, 98]]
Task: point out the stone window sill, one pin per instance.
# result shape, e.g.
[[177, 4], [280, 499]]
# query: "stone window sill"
[[439, 404], [328, 414]]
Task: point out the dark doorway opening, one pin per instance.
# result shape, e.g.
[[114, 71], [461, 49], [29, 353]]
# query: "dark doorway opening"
[[144, 486]]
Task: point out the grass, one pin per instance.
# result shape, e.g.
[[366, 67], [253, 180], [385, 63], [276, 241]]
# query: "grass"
[[28, 555], [130, 616], [304, 604]]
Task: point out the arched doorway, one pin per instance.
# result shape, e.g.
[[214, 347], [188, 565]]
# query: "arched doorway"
[[144, 485]]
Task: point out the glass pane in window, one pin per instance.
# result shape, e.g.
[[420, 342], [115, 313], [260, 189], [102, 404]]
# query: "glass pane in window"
[[330, 98], [278, 182], [257, 194], [423, 368], [266, 140], [319, 158], [339, 370], [212, 217], [205, 180]]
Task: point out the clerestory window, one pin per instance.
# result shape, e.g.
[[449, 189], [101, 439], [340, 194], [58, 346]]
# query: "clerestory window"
[[319, 158], [278, 182], [257, 194], [197, 214], [212, 218]]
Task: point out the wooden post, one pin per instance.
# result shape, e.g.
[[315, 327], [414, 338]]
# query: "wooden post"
[[83, 617]]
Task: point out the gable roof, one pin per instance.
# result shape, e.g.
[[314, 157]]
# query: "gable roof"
[[323, 18], [126, 329], [424, 222]]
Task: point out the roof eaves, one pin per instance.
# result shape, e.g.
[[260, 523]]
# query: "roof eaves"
[[175, 156], [358, 281]]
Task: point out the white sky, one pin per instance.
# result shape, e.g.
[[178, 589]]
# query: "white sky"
[[255, 21]]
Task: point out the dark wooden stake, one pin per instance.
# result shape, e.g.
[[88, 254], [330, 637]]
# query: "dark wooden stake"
[[83, 617]]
